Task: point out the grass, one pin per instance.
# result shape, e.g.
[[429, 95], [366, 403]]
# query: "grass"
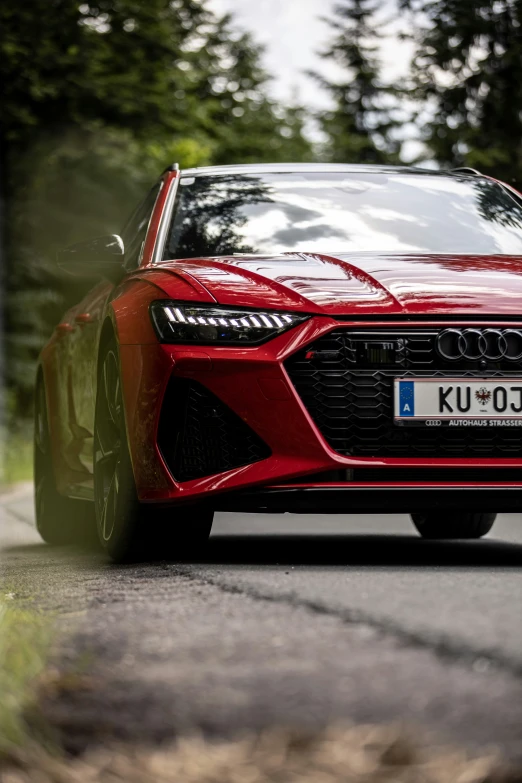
[[16, 462], [25, 638]]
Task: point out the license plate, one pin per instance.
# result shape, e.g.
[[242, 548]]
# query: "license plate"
[[458, 403]]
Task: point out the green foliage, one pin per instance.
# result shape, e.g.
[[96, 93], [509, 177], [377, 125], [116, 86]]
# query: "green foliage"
[[360, 127], [468, 70], [113, 61], [245, 125], [98, 99], [25, 639], [16, 455]]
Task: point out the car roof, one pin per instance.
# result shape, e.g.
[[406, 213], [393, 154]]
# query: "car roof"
[[302, 168]]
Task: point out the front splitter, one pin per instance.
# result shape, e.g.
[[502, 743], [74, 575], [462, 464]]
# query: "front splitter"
[[373, 499]]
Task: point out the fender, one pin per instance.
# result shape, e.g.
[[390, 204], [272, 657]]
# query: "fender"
[[129, 308]]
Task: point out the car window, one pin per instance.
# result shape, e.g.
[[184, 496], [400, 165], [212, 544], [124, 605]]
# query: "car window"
[[343, 212], [135, 229]]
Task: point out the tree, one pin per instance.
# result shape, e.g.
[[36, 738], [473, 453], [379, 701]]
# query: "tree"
[[71, 72], [468, 74], [242, 123], [98, 98], [360, 126]]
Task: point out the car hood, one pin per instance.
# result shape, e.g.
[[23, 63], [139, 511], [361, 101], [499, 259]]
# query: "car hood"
[[358, 283]]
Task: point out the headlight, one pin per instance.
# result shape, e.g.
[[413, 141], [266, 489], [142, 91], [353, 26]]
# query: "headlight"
[[177, 322]]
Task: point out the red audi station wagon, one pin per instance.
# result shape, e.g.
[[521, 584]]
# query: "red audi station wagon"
[[288, 338]]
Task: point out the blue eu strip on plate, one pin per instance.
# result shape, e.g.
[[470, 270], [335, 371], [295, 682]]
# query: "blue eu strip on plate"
[[406, 399]]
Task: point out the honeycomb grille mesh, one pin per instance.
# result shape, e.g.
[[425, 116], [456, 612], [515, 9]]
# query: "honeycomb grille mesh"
[[346, 381], [200, 436]]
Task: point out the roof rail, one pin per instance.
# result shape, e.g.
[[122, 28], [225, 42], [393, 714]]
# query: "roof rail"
[[467, 170], [172, 167]]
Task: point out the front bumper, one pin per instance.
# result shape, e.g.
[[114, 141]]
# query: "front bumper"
[[372, 499], [254, 384]]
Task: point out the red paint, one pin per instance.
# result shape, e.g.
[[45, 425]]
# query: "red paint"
[[364, 283], [168, 181], [274, 389], [253, 381], [191, 363], [83, 318], [63, 329]]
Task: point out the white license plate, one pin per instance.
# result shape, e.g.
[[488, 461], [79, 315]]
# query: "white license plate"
[[458, 402]]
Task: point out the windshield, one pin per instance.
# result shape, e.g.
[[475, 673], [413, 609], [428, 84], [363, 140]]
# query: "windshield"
[[339, 213]]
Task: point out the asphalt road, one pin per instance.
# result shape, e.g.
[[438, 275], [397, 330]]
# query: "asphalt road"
[[288, 620]]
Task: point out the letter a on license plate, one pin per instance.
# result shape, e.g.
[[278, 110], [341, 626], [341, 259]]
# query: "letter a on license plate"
[[406, 399]]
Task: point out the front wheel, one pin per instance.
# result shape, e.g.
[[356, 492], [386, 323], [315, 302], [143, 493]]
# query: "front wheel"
[[444, 525], [129, 530]]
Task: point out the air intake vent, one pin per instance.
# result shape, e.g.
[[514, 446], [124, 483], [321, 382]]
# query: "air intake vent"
[[200, 436]]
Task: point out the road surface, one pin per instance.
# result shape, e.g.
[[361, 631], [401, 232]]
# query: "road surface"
[[287, 620]]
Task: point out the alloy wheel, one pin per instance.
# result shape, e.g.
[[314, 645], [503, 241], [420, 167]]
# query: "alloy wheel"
[[109, 434]]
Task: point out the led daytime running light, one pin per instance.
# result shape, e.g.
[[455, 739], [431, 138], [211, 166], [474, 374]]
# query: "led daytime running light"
[[271, 321], [185, 323]]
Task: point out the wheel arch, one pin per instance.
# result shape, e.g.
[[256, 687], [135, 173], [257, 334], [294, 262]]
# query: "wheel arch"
[[107, 332], [47, 376]]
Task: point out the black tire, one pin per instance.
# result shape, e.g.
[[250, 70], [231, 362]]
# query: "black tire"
[[130, 531], [59, 520], [444, 525]]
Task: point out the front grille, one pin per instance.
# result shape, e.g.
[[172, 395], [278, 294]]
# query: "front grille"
[[346, 380], [199, 435]]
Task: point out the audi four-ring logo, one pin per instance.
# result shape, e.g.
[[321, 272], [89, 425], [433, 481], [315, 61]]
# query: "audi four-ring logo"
[[474, 344]]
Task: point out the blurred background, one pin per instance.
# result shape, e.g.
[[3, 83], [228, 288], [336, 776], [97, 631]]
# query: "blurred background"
[[99, 97]]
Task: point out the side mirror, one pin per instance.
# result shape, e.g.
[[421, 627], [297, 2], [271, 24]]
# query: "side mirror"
[[101, 257]]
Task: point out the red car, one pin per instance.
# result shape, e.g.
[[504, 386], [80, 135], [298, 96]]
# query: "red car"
[[326, 338]]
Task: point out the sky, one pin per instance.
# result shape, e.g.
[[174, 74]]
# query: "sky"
[[293, 33]]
